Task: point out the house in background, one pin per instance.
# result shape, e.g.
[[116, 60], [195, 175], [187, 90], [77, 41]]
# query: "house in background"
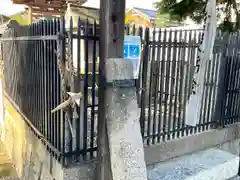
[[151, 18], [82, 12], [85, 14], [141, 17]]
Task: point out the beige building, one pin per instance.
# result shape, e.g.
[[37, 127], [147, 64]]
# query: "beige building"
[[91, 15]]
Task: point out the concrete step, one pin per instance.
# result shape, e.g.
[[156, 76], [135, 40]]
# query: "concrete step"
[[211, 164], [9, 178], [234, 178]]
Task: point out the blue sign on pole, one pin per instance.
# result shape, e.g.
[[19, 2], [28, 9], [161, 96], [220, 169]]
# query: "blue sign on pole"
[[126, 51], [132, 52]]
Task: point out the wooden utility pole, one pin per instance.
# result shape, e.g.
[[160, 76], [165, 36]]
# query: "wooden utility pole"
[[112, 15], [120, 147], [29, 14]]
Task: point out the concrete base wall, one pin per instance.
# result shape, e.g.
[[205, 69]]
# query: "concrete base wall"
[[30, 157], [25, 150], [213, 138], [32, 161], [231, 147]]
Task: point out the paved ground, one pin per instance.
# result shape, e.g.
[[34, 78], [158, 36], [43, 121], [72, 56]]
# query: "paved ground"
[[235, 178], [9, 178], [7, 170]]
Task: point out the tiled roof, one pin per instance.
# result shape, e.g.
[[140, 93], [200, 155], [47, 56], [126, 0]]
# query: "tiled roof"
[[150, 13]]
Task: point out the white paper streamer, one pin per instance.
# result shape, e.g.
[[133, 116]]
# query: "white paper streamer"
[[193, 106]]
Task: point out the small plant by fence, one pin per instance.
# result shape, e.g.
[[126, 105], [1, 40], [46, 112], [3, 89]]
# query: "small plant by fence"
[[33, 83]]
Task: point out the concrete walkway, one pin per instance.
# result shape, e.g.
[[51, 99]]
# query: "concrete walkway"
[[235, 178], [210, 164], [7, 170]]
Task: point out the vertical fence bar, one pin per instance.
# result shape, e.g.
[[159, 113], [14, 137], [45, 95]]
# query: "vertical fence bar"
[[72, 84], [200, 126], [193, 63], [162, 86], [127, 29], [215, 80], [38, 78], [85, 143], [58, 92], [48, 82], [237, 111], [236, 104], [93, 103], [226, 89], [184, 78], [188, 82], [176, 92], [167, 119], [133, 30], [51, 82], [153, 86], [171, 116], [34, 60], [212, 84], [230, 86], [36, 75], [206, 95], [138, 81], [41, 61], [63, 56], [230, 80], [55, 87], [220, 97], [45, 79], [33, 49], [149, 119], [157, 104], [78, 138], [180, 92], [33, 72], [144, 81]]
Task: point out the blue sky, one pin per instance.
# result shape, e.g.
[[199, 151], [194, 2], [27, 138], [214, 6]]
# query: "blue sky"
[[8, 8]]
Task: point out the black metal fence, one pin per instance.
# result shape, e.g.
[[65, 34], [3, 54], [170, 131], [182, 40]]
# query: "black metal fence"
[[168, 61], [34, 83]]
